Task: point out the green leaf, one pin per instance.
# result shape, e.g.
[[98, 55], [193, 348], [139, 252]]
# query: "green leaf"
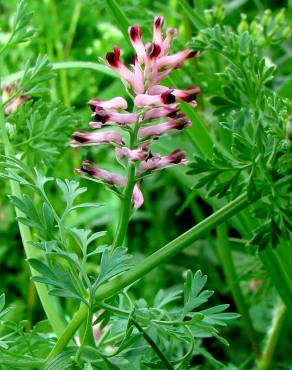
[[112, 263], [120, 17], [193, 297], [63, 360], [194, 16]]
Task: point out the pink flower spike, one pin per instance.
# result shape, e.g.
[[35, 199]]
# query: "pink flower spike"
[[109, 178], [176, 59], [112, 104], [143, 100], [139, 154], [157, 162], [137, 196], [135, 35], [81, 138], [113, 117]]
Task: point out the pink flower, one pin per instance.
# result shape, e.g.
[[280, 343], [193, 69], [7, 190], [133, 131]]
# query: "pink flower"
[[137, 197], [143, 100], [81, 138], [157, 130], [114, 62], [160, 112], [170, 34], [135, 35], [112, 104], [103, 117], [109, 178], [177, 59], [9, 91], [134, 154], [157, 162], [187, 95], [157, 30]]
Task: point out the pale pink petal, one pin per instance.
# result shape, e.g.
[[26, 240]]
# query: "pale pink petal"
[[137, 196], [144, 100], [178, 123], [113, 117], [157, 30], [81, 138], [134, 154], [176, 59], [112, 104], [157, 162], [109, 178], [135, 35], [160, 112]]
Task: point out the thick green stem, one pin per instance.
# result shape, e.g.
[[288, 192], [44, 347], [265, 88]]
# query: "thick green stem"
[[48, 302], [162, 255], [69, 332], [126, 208], [277, 272], [232, 280], [279, 316]]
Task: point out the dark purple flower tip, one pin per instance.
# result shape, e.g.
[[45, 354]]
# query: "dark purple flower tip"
[[167, 97], [193, 54], [177, 156], [101, 117], [113, 58], [173, 114], [80, 137], [154, 51], [158, 22], [135, 33], [88, 167], [194, 91]]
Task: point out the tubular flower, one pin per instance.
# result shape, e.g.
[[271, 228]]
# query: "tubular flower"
[[81, 138], [156, 111], [157, 161]]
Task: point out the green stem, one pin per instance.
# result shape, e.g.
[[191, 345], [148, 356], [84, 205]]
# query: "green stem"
[[279, 316], [73, 26], [232, 280], [162, 255], [126, 208], [69, 332], [48, 302], [277, 272], [153, 345]]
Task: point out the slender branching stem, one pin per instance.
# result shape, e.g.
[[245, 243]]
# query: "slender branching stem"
[[233, 283], [153, 345], [279, 316], [162, 255], [49, 303]]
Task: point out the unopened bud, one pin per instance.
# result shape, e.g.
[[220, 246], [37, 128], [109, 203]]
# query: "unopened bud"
[[243, 25], [279, 19], [267, 18]]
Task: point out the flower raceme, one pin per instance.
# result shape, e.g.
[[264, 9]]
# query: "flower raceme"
[[156, 111]]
